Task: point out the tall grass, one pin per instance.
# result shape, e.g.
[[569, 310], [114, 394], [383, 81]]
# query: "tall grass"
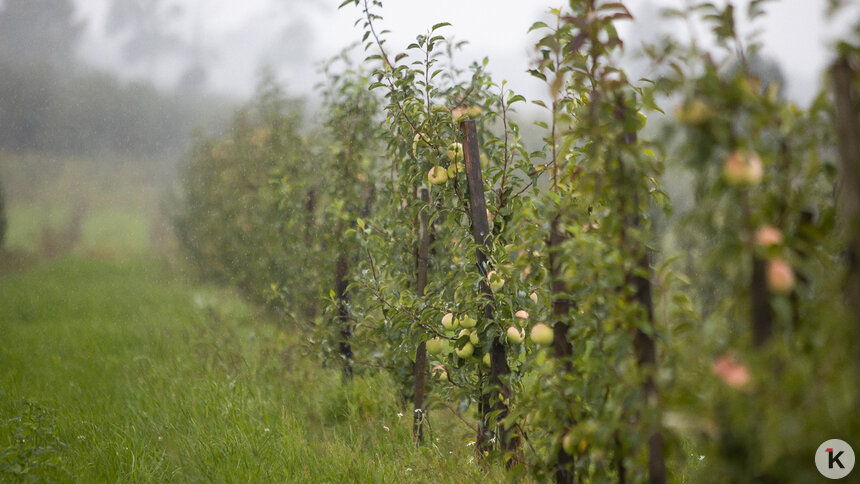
[[118, 371]]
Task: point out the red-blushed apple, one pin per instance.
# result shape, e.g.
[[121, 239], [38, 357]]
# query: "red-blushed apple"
[[437, 175], [768, 235], [455, 152], [522, 314], [743, 169], [780, 276]]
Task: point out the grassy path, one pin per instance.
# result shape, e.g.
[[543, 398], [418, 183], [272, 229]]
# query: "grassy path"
[[116, 372]]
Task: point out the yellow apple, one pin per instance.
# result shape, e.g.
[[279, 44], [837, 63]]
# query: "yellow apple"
[[516, 335], [448, 322], [468, 322], [434, 346], [496, 281], [567, 443], [466, 351], [542, 334]]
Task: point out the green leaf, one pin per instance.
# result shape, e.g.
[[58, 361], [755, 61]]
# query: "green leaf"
[[538, 25]]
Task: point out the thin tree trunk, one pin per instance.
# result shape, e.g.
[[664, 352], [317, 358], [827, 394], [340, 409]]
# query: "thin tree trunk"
[[420, 370], [342, 297]]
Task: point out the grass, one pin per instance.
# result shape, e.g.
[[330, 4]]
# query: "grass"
[[119, 371]]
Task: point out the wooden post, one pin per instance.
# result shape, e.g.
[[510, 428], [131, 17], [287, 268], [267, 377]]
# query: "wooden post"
[[762, 314], [2, 217], [420, 370], [644, 344], [494, 399], [561, 304], [848, 132]]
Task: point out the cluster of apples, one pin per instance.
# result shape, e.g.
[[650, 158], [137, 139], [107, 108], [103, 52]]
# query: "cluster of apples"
[[743, 168], [780, 275], [439, 175], [540, 334]]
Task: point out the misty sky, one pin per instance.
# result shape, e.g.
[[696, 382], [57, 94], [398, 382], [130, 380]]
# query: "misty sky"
[[233, 39]]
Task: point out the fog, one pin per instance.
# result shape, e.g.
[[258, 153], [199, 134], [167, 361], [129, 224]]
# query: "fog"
[[232, 40], [86, 84]]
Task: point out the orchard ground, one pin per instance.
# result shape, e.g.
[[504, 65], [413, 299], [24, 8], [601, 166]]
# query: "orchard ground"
[[123, 371]]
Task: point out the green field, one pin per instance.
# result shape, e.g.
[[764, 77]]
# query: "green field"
[[123, 372]]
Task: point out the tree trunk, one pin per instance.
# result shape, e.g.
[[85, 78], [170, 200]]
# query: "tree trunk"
[[342, 296], [561, 304], [420, 370]]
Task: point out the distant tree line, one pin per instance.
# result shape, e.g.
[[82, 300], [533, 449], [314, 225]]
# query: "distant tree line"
[[50, 102]]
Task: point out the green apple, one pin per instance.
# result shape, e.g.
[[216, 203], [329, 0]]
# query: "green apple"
[[468, 322], [455, 152], [487, 359], [455, 168], [448, 322], [434, 346], [516, 335], [484, 161], [693, 112], [496, 281], [466, 351], [473, 336], [542, 334], [567, 443], [419, 138]]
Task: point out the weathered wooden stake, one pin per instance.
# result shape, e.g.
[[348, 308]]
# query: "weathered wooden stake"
[[495, 397], [848, 132], [645, 345], [561, 304]]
